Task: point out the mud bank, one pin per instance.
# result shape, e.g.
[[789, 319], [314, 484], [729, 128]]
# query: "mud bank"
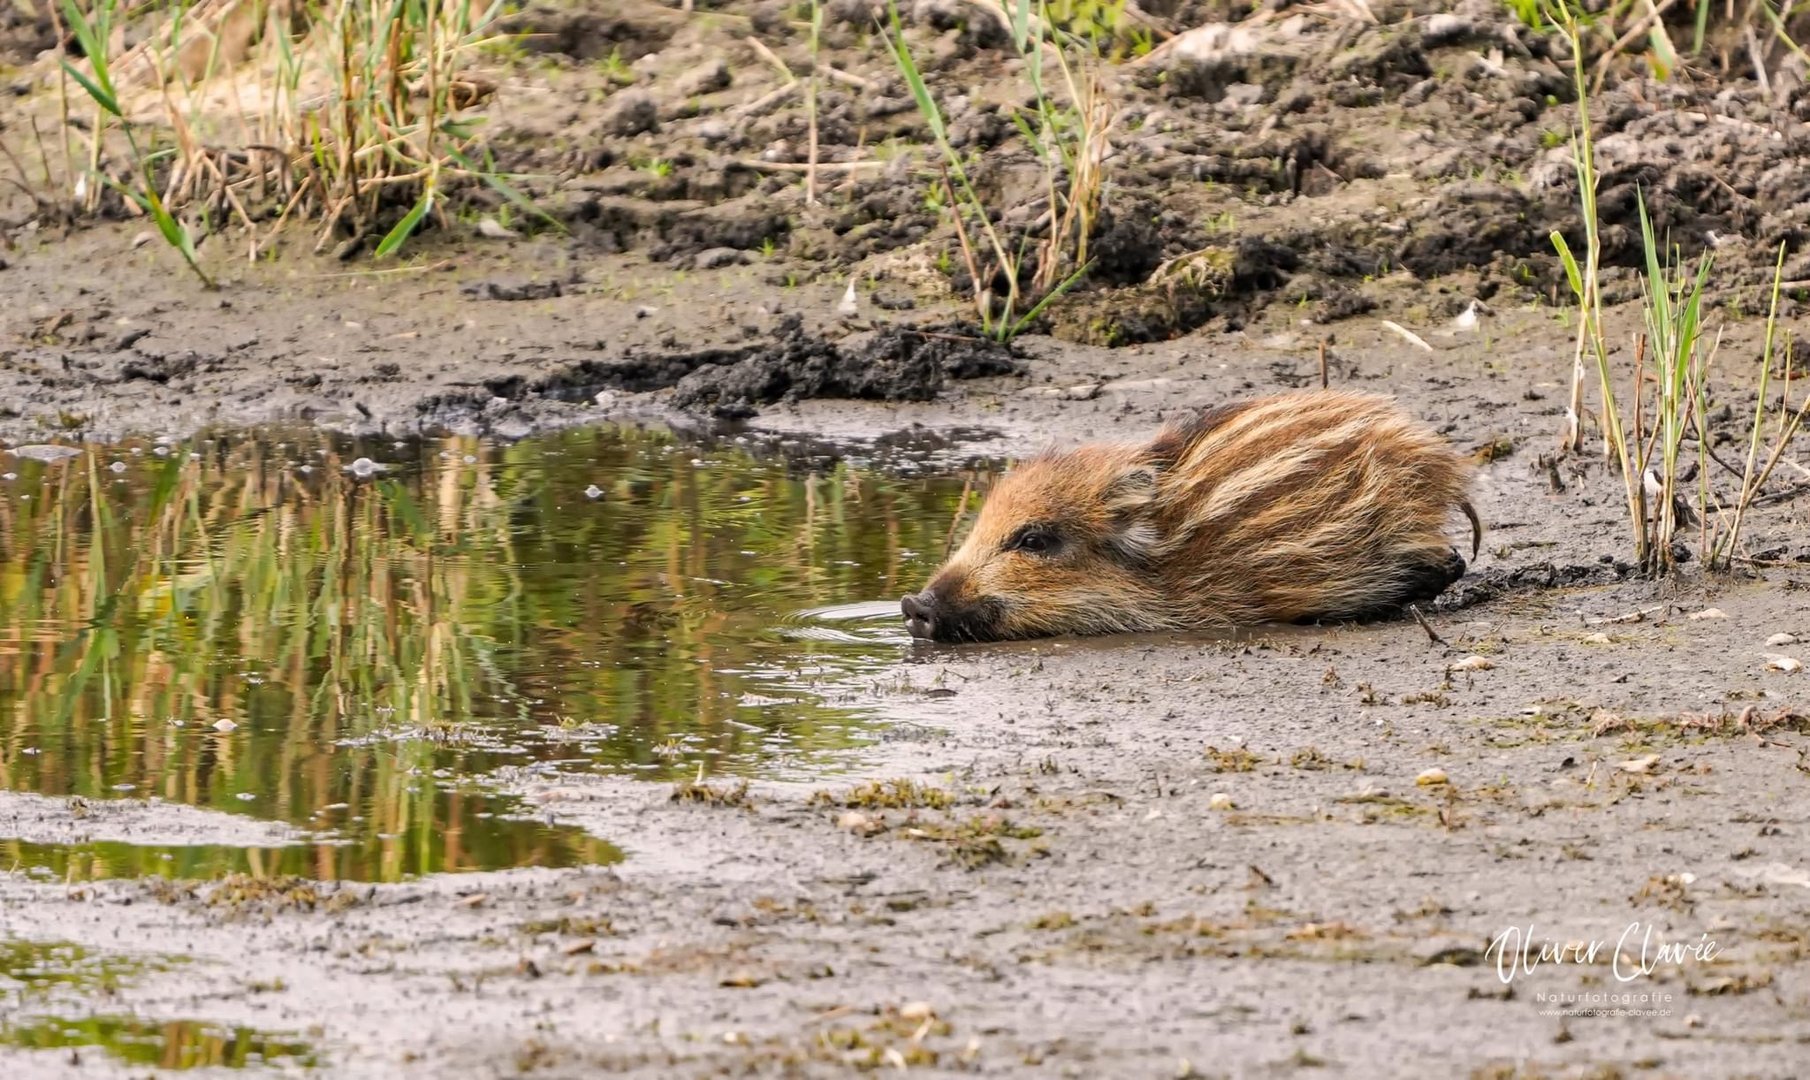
[[1147, 856], [1286, 853]]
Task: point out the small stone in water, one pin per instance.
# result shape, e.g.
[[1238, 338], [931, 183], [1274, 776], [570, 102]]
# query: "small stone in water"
[[224, 725], [161, 451], [364, 466], [1432, 778], [118, 466], [245, 796], [593, 492]]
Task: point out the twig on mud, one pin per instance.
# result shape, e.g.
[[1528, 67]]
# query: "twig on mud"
[[1639, 27], [1759, 61], [801, 166], [424, 269], [1324, 384], [1781, 496], [847, 78], [760, 106], [771, 57], [1407, 335], [1630, 617], [1432, 634]]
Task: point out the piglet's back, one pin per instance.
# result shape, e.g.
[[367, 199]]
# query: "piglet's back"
[[1327, 504]]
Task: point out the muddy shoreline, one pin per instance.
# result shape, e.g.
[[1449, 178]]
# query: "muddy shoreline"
[[1287, 853], [1154, 856]]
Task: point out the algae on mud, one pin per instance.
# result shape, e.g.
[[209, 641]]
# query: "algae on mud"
[[355, 638]]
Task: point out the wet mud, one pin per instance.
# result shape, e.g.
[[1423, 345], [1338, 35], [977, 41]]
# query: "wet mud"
[[1288, 852]]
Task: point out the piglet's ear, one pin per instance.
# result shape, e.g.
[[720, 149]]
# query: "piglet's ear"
[[1131, 490]]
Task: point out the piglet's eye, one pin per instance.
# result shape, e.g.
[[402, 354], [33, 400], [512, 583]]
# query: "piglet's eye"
[[1034, 542]]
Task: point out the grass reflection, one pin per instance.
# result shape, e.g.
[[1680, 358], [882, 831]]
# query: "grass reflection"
[[163, 1044], [262, 625]]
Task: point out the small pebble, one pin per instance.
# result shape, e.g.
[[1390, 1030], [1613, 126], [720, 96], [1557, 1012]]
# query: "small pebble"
[[224, 725], [1597, 639], [1640, 764], [1472, 663], [1432, 778], [916, 1010], [1777, 640], [1221, 801], [1787, 664], [495, 230], [1707, 613]]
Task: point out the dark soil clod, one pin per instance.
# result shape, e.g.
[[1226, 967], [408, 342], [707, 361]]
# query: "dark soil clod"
[[891, 364]]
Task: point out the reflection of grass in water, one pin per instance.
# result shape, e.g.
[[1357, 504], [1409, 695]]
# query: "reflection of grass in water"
[[164, 1044], [488, 606], [365, 858], [37, 972], [53, 975]]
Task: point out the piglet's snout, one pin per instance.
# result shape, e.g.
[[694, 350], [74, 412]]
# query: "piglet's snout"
[[920, 615]]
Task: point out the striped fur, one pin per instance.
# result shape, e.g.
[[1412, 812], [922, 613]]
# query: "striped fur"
[[1300, 506]]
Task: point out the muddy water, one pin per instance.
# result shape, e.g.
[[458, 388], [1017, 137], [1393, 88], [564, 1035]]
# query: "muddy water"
[[48, 990], [354, 638]]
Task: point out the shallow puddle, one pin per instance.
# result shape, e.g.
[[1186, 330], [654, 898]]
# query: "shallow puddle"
[[51, 973], [162, 1044], [47, 988], [353, 637]]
